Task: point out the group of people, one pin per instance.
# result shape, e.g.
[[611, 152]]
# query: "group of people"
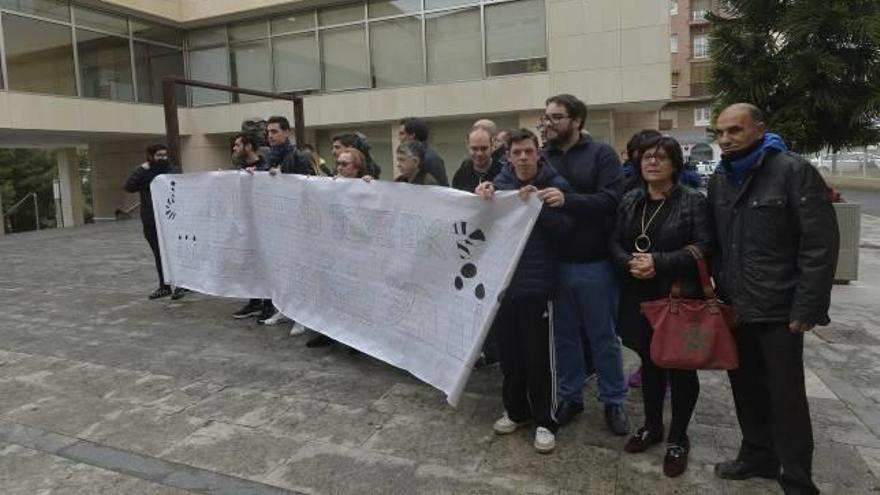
[[604, 243]]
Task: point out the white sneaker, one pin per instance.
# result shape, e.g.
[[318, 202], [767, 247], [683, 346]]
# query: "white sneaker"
[[505, 425], [545, 440], [297, 329], [274, 319]]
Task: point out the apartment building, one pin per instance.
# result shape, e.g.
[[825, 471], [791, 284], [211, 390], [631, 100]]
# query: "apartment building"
[[687, 116]]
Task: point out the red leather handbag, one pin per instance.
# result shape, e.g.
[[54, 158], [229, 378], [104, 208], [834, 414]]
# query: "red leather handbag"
[[692, 334]]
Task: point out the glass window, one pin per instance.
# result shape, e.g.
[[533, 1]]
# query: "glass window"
[[385, 8], [210, 65], [396, 52], [249, 31], [207, 37], [53, 9], [298, 21], [100, 20], [701, 46], [515, 32], [104, 66], [155, 32], [250, 67], [453, 42], [673, 7], [39, 56], [673, 43], [296, 62], [442, 4], [345, 58], [340, 15], [702, 116], [152, 63]]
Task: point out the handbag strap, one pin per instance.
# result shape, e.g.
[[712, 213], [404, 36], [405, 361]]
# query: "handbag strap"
[[703, 269], [705, 280]]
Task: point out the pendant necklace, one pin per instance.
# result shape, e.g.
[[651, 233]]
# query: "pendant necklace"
[[643, 242]]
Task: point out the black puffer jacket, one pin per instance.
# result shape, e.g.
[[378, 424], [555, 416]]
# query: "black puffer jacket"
[[139, 181], [684, 220], [777, 240], [535, 278]]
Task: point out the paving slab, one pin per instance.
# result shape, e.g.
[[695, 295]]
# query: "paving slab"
[[111, 393]]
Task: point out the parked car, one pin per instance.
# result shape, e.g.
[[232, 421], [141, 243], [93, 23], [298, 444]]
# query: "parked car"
[[847, 162]]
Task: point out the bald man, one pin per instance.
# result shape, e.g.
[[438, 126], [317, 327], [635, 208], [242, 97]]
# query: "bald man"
[[777, 252]]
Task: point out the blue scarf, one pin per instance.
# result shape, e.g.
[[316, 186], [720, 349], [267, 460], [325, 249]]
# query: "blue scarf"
[[738, 168], [277, 153]]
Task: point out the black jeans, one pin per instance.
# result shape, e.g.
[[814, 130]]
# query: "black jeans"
[[526, 343], [771, 403], [685, 388], [153, 240]]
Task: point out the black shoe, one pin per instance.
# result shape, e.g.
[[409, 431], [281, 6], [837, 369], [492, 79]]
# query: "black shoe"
[[567, 410], [739, 470], [178, 293], [319, 341], [163, 291], [249, 309], [615, 418], [267, 312]]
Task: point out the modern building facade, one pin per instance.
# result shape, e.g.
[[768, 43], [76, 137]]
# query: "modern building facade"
[[689, 113], [88, 73]]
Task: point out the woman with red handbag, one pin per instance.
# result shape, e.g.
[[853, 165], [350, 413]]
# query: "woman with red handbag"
[[656, 225]]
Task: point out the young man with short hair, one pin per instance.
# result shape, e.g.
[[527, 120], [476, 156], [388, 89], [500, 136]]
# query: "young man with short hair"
[[525, 318]]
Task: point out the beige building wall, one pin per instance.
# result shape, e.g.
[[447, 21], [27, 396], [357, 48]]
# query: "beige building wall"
[[627, 124], [111, 164]]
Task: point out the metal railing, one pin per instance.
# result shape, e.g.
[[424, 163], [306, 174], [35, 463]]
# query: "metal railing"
[[20, 202]]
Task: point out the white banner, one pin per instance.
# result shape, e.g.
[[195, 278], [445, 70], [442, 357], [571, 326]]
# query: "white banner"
[[408, 274]]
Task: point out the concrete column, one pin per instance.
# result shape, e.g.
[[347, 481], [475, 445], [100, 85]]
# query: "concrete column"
[[71, 187], [2, 218], [395, 142]]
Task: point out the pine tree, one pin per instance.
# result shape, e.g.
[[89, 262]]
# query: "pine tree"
[[812, 65]]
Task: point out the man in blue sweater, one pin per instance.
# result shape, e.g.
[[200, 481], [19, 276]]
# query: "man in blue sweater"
[[586, 304]]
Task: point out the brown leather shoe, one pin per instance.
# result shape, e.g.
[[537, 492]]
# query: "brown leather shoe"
[[676, 460], [642, 439]]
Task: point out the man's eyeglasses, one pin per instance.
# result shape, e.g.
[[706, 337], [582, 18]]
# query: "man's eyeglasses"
[[552, 119]]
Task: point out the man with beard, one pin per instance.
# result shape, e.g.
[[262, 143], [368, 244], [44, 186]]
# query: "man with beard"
[[586, 303], [244, 153], [139, 182], [778, 242]]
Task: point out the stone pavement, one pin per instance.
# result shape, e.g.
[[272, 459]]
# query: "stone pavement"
[[102, 391]]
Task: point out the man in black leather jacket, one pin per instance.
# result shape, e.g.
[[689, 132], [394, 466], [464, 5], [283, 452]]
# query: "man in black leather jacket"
[[777, 240]]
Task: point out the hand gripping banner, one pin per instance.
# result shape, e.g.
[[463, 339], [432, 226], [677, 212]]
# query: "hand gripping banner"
[[411, 275]]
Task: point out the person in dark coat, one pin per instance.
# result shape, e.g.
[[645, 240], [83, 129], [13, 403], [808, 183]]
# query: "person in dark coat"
[[139, 181], [245, 152], [525, 314], [655, 223], [415, 129], [283, 155], [778, 243], [480, 165], [586, 304], [410, 164]]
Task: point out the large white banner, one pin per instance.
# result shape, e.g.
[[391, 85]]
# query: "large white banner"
[[408, 274]]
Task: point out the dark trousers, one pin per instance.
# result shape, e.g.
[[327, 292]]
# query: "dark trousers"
[[527, 353], [685, 387], [771, 403], [153, 240]]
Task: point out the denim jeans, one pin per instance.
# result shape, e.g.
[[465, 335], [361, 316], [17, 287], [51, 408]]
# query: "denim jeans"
[[586, 309]]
